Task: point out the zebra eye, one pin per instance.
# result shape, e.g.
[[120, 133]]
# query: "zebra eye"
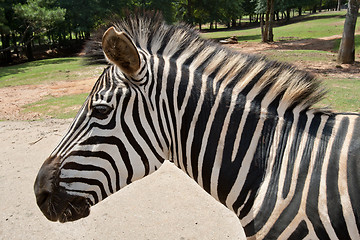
[[101, 111]]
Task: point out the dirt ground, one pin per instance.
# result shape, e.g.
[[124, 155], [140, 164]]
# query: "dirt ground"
[[165, 205]]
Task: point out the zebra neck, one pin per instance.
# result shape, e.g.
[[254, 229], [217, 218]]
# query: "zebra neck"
[[232, 151]]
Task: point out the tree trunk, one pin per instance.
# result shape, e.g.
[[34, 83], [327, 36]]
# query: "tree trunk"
[[338, 5], [267, 35], [190, 14], [320, 7], [347, 45], [28, 48], [262, 24], [233, 23], [5, 41], [314, 9], [288, 11], [271, 22]]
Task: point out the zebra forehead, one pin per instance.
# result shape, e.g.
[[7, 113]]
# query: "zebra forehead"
[[153, 35]]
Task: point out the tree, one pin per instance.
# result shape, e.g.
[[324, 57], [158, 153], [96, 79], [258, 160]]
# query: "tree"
[[249, 7], [347, 46], [38, 16], [9, 27], [267, 29]]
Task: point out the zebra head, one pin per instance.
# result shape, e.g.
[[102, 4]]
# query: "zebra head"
[[111, 142]]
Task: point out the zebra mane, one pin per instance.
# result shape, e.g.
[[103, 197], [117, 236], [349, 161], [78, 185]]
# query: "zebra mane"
[[151, 34]]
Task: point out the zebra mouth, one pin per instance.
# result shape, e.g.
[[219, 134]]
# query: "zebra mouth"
[[64, 208], [78, 208]]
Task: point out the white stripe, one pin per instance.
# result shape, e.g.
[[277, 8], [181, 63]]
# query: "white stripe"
[[97, 175]]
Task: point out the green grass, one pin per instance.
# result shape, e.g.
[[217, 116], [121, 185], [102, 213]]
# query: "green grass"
[[48, 70], [313, 26], [292, 56], [357, 43], [57, 107], [343, 94]]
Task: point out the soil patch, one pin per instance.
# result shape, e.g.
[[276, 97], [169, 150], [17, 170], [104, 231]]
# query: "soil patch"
[[12, 99]]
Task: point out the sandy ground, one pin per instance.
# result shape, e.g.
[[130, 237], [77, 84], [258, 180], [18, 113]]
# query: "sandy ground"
[[165, 205]]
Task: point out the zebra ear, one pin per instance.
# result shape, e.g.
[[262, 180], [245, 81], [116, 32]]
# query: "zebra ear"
[[120, 50]]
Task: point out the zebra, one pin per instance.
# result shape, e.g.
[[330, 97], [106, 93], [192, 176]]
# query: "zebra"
[[243, 127]]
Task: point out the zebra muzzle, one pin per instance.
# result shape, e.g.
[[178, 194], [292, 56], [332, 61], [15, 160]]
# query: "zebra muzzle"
[[53, 201]]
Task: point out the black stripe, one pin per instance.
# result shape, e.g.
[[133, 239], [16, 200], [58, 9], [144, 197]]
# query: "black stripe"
[[353, 172], [185, 76], [191, 104], [189, 113], [101, 156], [165, 40], [170, 81], [300, 232], [95, 140], [158, 103], [289, 213], [141, 130], [150, 119], [167, 122], [312, 210], [152, 84], [214, 137], [293, 152], [201, 123], [92, 193], [229, 171], [86, 181], [258, 166], [131, 139], [87, 167], [335, 209]]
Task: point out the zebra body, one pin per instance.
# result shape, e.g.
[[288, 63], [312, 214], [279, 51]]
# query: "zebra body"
[[241, 126]]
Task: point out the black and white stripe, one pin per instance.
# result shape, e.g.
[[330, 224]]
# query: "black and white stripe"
[[239, 125]]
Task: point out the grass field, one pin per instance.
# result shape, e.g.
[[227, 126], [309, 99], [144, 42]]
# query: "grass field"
[[63, 107], [48, 70], [313, 26], [291, 56], [343, 94]]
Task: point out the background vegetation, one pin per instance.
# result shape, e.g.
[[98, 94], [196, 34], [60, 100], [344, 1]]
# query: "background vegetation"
[[61, 24], [64, 25]]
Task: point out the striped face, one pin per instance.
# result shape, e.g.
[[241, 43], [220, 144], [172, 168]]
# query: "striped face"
[[110, 144]]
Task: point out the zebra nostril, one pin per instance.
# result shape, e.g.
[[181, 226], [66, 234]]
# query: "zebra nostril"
[[43, 186], [42, 197], [42, 189]]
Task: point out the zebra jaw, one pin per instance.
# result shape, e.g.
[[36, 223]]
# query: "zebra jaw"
[[54, 202]]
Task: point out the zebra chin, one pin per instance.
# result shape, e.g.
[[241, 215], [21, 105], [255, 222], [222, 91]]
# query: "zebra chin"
[[54, 202]]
